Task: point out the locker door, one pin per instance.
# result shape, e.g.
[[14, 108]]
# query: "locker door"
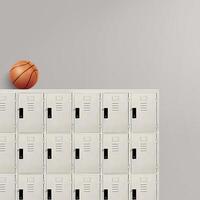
[[115, 113], [87, 150], [143, 113], [7, 113], [58, 187], [30, 187], [115, 153], [87, 113], [143, 153], [58, 108], [7, 153], [115, 187], [7, 186], [30, 153], [143, 187], [58, 153], [87, 187], [30, 113]]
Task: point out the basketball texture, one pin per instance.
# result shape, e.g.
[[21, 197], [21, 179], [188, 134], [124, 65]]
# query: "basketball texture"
[[23, 74]]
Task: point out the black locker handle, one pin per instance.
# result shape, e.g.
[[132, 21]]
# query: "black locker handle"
[[21, 113], [77, 113], [134, 153], [49, 113], [77, 194], [134, 113], [134, 194], [105, 152], [105, 193], [21, 195], [49, 153], [105, 110], [21, 153], [77, 153], [49, 194]]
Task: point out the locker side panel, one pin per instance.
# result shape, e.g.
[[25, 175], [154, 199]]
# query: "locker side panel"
[[30, 113], [87, 152], [143, 153], [7, 153], [87, 112], [143, 113], [115, 113], [30, 153], [58, 108], [115, 153], [7, 186], [7, 112], [58, 153]]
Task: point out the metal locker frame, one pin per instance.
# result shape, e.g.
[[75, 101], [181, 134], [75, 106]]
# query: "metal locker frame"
[[58, 153], [58, 109], [87, 153], [87, 112]]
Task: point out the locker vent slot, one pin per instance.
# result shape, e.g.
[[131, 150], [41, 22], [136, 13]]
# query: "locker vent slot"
[[30, 187], [115, 106], [115, 147], [87, 187], [3, 107], [59, 146], [87, 147], [59, 106], [2, 146], [143, 187], [30, 106], [115, 187], [59, 187], [2, 187], [143, 146], [30, 147], [143, 104], [87, 106]]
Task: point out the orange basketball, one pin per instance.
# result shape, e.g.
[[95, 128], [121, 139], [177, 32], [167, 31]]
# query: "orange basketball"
[[23, 74]]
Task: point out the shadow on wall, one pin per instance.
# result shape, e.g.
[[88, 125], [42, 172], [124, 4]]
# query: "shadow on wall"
[[7, 83]]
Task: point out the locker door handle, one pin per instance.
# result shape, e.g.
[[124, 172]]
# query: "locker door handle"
[[105, 110], [134, 194], [134, 113], [21, 153], [21, 113], [49, 194], [134, 153], [49, 113], [77, 113], [49, 153], [105, 194], [77, 194], [105, 152], [77, 153], [21, 194]]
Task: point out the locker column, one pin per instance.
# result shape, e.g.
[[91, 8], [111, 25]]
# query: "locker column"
[[58, 146], [115, 146], [7, 145], [30, 146], [86, 146]]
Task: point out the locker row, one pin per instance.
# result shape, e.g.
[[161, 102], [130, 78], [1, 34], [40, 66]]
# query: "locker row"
[[82, 112], [83, 187], [88, 153]]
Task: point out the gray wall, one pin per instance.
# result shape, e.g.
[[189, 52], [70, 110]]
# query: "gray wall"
[[119, 44]]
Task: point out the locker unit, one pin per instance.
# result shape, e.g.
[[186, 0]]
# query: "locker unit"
[[86, 187], [115, 187], [58, 113], [115, 153], [58, 153], [30, 113], [7, 112], [30, 153], [143, 153], [7, 153], [58, 187], [7, 186], [87, 110], [87, 153], [143, 113], [115, 113], [143, 187], [30, 187]]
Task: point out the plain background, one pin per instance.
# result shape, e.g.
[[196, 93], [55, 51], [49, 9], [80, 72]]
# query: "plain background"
[[119, 44]]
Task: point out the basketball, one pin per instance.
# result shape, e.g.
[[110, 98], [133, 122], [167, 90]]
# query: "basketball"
[[23, 74]]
